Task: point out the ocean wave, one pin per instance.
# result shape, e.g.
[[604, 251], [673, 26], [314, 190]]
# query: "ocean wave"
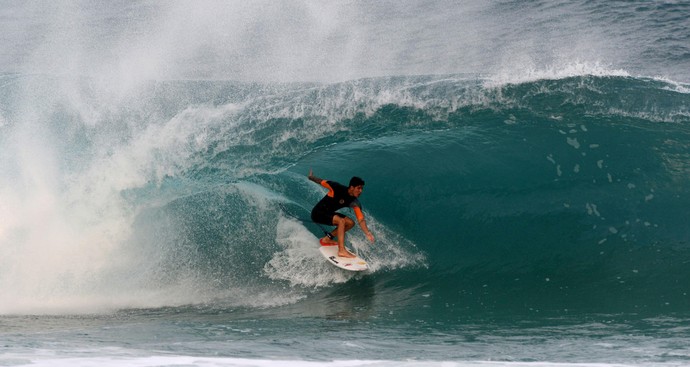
[[572, 182]]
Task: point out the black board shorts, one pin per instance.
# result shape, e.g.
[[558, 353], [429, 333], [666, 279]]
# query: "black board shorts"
[[324, 217]]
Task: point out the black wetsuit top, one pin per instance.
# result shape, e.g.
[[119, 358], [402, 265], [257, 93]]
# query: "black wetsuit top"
[[336, 198]]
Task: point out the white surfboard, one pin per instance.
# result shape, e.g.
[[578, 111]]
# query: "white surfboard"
[[347, 263]]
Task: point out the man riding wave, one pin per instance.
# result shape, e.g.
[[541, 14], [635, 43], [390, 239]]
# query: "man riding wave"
[[325, 211]]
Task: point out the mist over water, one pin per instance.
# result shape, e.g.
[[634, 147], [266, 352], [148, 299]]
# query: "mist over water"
[[123, 43]]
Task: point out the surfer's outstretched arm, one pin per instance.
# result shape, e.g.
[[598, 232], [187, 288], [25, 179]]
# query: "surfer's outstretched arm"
[[314, 178]]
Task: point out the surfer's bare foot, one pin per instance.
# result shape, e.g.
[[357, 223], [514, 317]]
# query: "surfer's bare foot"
[[346, 254], [329, 241]]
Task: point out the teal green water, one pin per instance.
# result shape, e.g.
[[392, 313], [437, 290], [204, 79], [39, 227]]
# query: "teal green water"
[[507, 205]]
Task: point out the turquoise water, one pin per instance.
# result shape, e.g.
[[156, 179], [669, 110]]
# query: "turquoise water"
[[529, 211]]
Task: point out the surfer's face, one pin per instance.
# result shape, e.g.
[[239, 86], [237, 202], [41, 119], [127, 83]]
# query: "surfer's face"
[[355, 190]]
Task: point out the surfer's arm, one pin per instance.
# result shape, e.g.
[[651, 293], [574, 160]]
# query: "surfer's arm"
[[321, 182], [363, 223], [311, 177]]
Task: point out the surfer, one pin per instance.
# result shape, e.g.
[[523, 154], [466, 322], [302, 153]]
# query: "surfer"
[[325, 211]]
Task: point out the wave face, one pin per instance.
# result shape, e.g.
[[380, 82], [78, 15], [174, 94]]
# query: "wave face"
[[559, 195]]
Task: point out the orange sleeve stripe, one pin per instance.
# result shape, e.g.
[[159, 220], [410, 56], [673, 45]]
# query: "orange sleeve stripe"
[[358, 214], [325, 184]]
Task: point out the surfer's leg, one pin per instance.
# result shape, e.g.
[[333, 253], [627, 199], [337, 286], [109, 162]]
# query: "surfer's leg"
[[344, 224], [348, 226], [321, 217], [336, 217]]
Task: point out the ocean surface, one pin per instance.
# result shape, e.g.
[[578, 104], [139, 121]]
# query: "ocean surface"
[[527, 169]]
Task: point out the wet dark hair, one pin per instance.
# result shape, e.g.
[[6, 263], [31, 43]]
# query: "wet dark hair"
[[356, 181]]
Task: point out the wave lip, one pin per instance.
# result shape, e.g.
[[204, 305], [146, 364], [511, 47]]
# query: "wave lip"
[[569, 70]]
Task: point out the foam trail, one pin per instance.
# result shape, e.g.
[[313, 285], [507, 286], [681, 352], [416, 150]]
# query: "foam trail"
[[299, 262]]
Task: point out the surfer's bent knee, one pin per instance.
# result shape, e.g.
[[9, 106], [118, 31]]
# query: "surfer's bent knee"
[[339, 218], [346, 221]]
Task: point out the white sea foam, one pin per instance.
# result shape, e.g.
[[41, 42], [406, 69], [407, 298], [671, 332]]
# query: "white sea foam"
[[301, 264], [151, 361]]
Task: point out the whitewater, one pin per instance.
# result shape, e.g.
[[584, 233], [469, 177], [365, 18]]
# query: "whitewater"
[[527, 171]]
